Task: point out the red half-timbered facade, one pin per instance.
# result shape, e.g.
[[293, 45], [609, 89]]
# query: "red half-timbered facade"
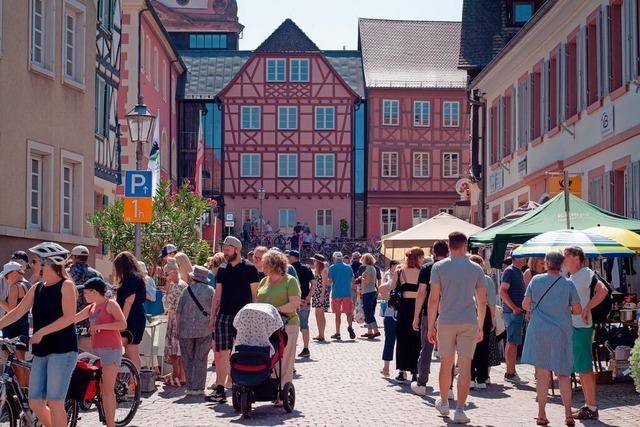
[[288, 129]]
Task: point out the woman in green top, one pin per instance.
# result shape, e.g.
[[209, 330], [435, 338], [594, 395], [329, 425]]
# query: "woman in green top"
[[283, 292]]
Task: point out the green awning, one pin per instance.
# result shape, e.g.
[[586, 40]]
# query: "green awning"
[[550, 216]]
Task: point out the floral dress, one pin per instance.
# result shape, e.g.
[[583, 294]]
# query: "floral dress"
[[172, 345], [316, 300]]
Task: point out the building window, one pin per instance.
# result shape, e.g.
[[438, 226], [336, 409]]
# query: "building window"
[[164, 80], [571, 79], [324, 164], [250, 165], [421, 165], [552, 92], [40, 185], [616, 45], [389, 220], [287, 118], [450, 165], [67, 198], [71, 172], [286, 218], [147, 64], [522, 12], [447, 211], [105, 14], [35, 191], [324, 223], [421, 113], [536, 94], [250, 117], [420, 215], [299, 70], [43, 34], [252, 214], [103, 92], [276, 70], [592, 62], [156, 66], [207, 41], [451, 114], [389, 164], [287, 165], [325, 118], [390, 112], [523, 105]]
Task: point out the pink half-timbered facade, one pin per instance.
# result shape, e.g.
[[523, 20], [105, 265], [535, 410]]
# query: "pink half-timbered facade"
[[417, 126], [288, 129]]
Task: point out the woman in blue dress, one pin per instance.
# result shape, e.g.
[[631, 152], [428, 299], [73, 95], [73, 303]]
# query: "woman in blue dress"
[[551, 299]]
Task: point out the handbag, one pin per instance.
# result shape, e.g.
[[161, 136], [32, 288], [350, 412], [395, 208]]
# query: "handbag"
[[500, 326], [195, 300], [359, 315], [395, 295]]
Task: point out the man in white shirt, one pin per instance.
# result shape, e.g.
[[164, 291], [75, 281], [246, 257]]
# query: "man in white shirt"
[[582, 277]]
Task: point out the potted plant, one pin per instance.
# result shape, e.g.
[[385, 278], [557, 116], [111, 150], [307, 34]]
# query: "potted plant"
[[344, 228]]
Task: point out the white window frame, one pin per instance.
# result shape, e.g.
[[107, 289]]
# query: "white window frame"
[[419, 173], [76, 162], [278, 62], [252, 157], [251, 110], [253, 214], [451, 123], [66, 194], [46, 63], [324, 230], [285, 165], [298, 78], [320, 119], [419, 122], [76, 11], [457, 164], [446, 210], [287, 110], [290, 222], [35, 173], [102, 105], [388, 156], [391, 121], [45, 154], [388, 229], [325, 160], [422, 215]]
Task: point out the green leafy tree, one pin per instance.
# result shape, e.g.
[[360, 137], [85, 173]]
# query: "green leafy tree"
[[175, 219], [344, 228]]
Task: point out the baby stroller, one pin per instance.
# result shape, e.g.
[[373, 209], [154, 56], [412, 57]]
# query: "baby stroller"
[[256, 363]]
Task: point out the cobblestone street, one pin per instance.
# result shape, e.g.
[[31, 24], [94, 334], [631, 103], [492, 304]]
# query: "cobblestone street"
[[341, 386]]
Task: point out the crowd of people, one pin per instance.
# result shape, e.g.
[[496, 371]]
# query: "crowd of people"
[[444, 304]]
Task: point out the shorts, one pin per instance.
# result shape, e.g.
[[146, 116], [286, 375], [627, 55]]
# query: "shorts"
[[342, 305], [51, 375], [582, 350], [135, 329], [108, 356], [303, 314], [225, 332], [459, 339], [513, 323]]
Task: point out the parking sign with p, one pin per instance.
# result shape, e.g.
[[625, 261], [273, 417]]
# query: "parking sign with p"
[[137, 184]]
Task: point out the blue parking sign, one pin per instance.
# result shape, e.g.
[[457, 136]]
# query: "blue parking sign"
[[137, 184]]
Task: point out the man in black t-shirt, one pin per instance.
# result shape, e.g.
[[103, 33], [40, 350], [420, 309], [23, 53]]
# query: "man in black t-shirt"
[[307, 286], [236, 286], [439, 251]]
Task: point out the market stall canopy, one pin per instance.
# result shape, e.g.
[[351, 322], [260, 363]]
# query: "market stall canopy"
[[486, 236], [393, 233], [425, 234], [550, 216], [628, 238]]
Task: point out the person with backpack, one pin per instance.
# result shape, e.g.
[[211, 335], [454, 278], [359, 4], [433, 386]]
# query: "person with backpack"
[[440, 251], [582, 278]]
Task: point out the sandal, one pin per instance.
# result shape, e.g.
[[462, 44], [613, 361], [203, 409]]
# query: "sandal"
[[542, 421], [570, 422], [384, 373]]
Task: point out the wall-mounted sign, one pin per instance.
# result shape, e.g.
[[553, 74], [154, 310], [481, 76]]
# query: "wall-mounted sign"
[[496, 180], [555, 185], [228, 216], [522, 167], [606, 120], [463, 187]]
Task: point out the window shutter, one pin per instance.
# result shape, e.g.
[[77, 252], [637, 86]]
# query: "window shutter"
[[512, 118], [560, 79], [530, 106], [544, 90], [607, 193], [633, 196], [500, 130], [490, 136], [630, 60]]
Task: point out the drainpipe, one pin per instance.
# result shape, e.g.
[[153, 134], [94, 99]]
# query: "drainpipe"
[[476, 151]]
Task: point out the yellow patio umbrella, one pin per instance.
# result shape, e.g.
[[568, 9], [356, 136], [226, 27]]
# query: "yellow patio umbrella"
[[626, 238]]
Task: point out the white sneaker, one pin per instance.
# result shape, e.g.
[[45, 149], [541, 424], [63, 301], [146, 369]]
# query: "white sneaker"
[[451, 396], [442, 407], [420, 390], [480, 386], [460, 417], [189, 392], [197, 392]]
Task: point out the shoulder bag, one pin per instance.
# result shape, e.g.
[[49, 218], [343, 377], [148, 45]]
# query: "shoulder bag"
[[546, 292], [197, 303]]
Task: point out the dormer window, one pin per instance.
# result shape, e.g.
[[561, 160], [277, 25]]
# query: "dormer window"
[[522, 12]]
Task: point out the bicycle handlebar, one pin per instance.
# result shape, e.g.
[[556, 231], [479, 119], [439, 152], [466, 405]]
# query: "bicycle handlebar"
[[13, 342]]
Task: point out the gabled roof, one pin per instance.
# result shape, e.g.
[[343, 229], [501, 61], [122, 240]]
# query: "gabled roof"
[[288, 37], [411, 53], [348, 63]]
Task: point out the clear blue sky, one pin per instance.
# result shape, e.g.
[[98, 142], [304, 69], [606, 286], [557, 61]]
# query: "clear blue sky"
[[332, 24]]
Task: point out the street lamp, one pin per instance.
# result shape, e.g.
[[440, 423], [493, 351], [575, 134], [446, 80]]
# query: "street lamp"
[[261, 198], [140, 122]]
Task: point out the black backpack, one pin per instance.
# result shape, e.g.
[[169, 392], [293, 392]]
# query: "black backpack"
[[600, 313]]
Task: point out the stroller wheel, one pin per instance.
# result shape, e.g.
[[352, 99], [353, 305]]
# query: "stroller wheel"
[[235, 398], [245, 404], [288, 397]]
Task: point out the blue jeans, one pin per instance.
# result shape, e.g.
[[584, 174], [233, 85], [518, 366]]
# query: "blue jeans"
[[303, 314], [369, 301], [513, 322], [389, 338], [51, 375]]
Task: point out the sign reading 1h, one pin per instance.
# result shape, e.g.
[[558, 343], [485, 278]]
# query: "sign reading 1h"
[[138, 204]]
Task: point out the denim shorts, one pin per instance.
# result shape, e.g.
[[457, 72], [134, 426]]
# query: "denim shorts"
[[513, 322], [108, 356], [51, 375], [303, 314]]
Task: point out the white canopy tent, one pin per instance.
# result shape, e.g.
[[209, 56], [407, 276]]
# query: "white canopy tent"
[[425, 234]]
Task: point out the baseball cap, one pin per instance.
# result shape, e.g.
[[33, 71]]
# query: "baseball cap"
[[21, 257], [232, 241], [80, 251], [276, 249], [168, 249], [96, 284], [294, 253], [11, 267]]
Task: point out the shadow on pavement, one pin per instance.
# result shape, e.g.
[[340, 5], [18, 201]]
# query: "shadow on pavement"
[[262, 413]]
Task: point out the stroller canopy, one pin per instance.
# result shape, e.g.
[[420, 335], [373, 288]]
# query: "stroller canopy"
[[255, 323]]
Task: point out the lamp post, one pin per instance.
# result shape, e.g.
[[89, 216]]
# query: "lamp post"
[[140, 122], [260, 218]]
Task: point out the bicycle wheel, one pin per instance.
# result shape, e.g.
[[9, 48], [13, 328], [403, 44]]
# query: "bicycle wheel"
[[8, 413], [127, 391], [71, 407]]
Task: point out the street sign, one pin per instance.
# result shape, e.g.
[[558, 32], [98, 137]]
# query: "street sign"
[[137, 184], [228, 216], [138, 209], [230, 224], [555, 185]]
